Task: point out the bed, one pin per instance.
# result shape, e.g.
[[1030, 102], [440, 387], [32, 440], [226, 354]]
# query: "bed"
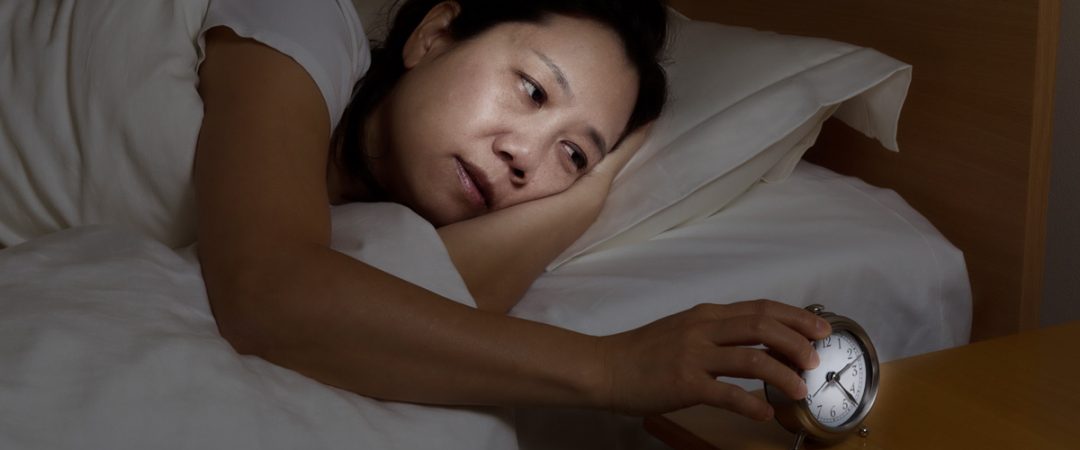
[[107, 340]]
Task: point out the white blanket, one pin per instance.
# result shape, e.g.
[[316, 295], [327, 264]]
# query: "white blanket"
[[107, 342]]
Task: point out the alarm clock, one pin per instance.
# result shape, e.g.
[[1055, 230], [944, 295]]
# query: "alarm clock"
[[840, 391]]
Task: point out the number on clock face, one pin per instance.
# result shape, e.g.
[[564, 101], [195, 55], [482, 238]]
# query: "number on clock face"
[[836, 387]]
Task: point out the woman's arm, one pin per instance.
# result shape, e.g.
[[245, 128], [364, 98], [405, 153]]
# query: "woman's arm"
[[500, 254], [278, 291]]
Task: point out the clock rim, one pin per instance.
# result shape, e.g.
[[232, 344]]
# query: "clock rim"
[[796, 417]]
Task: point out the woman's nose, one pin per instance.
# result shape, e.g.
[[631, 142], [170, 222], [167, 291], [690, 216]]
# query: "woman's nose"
[[522, 153]]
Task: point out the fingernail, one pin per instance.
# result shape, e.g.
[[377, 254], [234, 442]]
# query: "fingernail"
[[768, 413], [822, 324], [815, 360]]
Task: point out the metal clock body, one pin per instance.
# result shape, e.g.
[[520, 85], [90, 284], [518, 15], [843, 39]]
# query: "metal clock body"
[[841, 390]]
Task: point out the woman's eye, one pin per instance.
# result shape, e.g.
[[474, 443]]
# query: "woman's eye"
[[577, 156], [537, 95]]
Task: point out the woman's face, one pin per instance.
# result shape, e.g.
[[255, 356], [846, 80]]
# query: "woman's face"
[[517, 113]]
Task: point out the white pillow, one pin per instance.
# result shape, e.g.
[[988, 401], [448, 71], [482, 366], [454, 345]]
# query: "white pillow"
[[744, 106]]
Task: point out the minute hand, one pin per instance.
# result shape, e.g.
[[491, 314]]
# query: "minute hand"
[[848, 366]]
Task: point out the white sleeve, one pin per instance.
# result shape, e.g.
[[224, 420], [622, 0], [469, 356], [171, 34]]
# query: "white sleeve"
[[325, 37]]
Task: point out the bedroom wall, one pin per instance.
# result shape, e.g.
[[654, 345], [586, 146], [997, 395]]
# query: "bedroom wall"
[[1061, 288]]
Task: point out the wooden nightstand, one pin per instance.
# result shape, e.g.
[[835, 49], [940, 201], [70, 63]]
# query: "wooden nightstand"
[[1016, 392]]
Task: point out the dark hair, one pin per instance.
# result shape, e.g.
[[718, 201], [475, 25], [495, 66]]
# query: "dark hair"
[[640, 24]]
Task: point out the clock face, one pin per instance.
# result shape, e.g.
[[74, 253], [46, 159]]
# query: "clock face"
[[836, 387]]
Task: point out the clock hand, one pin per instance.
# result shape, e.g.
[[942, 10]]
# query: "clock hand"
[[848, 366], [849, 396], [826, 383], [832, 377]]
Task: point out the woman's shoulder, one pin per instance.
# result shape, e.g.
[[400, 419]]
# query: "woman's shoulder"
[[326, 37]]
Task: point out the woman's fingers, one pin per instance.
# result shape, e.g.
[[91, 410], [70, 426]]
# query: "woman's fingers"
[[740, 362], [792, 345], [673, 362], [805, 322], [615, 160]]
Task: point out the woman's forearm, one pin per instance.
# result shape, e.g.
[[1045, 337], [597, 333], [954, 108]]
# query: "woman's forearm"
[[350, 325], [499, 255], [278, 291]]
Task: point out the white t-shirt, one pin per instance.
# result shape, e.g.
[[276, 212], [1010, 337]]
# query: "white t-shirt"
[[100, 112], [326, 37]]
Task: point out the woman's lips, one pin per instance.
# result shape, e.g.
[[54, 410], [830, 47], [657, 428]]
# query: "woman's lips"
[[477, 189]]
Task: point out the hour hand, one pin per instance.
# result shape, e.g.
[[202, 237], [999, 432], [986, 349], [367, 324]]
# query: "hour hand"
[[848, 366]]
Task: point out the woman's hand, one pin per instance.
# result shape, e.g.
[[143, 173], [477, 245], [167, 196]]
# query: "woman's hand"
[[673, 363], [614, 162]]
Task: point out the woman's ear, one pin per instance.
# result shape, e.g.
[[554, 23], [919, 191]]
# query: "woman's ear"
[[432, 35]]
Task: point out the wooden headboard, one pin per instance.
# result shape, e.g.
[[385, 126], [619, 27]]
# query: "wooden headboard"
[[975, 134]]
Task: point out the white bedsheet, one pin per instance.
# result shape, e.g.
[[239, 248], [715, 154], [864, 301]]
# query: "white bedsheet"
[[107, 340], [817, 237]]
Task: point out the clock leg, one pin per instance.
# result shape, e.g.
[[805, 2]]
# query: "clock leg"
[[798, 440]]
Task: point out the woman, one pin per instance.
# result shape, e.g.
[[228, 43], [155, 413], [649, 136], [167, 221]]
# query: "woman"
[[503, 123]]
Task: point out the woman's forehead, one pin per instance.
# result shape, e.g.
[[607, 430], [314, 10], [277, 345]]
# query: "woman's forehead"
[[569, 33], [581, 63], [586, 55]]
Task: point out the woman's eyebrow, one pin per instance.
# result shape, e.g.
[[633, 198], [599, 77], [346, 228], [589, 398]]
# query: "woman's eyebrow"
[[560, 77]]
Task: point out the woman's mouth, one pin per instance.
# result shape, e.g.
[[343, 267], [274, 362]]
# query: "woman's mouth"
[[477, 188]]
